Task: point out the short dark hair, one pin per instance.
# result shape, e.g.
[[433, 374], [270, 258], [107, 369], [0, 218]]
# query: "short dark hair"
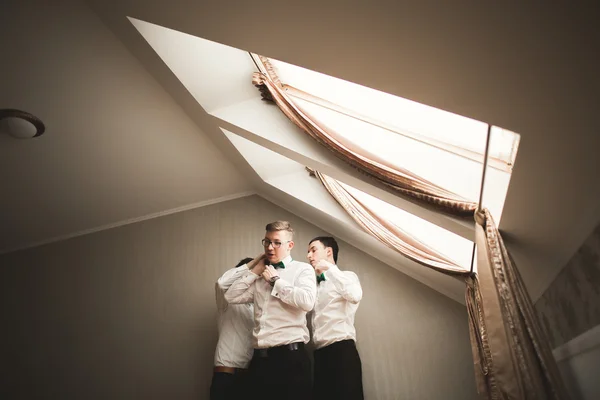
[[244, 261], [328, 241]]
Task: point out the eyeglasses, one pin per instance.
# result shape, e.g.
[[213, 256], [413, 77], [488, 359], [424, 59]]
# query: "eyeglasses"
[[266, 243]]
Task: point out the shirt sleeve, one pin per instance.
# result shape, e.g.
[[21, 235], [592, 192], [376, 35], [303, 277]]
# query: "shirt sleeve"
[[301, 293], [224, 282], [346, 283], [242, 290]]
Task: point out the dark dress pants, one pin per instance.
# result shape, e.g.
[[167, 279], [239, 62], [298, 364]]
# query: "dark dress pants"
[[338, 372]]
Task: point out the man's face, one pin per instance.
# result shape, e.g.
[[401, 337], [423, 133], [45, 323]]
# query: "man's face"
[[278, 238], [316, 252]]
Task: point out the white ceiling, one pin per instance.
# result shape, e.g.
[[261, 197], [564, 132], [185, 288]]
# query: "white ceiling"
[[125, 138]]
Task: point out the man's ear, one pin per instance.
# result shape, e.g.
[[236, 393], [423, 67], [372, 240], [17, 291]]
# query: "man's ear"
[[328, 251], [291, 244]]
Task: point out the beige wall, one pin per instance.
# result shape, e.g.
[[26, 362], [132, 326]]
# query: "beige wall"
[[569, 311], [129, 312], [571, 304]]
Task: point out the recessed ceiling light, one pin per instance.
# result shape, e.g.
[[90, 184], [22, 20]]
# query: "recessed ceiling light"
[[20, 124]]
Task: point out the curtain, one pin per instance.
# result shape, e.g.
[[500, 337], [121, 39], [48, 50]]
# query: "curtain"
[[400, 180], [387, 232], [512, 357]]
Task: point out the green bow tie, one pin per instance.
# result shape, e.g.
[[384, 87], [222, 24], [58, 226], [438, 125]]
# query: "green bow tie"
[[280, 264], [321, 278]]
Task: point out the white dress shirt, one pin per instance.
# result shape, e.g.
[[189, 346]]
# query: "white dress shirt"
[[338, 297], [234, 348], [279, 311]]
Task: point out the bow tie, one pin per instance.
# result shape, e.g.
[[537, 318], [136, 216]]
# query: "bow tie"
[[280, 264], [320, 278]]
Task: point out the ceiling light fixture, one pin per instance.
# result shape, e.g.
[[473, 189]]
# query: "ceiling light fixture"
[[20, 124]]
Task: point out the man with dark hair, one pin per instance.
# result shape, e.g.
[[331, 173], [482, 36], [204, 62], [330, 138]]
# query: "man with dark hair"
[[234, 348], [338, 369], [280, 367]]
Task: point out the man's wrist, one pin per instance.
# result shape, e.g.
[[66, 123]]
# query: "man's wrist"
[[257, 268], [251, 275], [273, 280]]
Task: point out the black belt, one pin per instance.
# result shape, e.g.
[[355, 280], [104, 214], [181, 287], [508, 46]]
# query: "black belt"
[[229, 370], [263, 353], [340, 345]]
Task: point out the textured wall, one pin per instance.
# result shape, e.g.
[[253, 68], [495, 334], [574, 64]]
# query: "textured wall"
[[129, 313], [571, 304]]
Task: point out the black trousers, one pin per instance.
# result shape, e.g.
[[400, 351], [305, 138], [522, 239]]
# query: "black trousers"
[[226, 386], [281, 373], [338, 372]]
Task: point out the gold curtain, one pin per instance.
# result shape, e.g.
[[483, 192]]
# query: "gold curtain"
[[387, 232], [400, 180], [512, 357]]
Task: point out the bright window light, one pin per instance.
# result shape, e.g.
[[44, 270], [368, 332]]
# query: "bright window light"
[[442, 147], [402, 115], [445, 242]]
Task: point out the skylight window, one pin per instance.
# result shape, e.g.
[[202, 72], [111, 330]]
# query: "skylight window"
[[445, 242], [442, 147], [405, 117], [448, 170]]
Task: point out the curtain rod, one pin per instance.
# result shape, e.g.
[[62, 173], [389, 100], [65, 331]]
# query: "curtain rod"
[[254, 61]]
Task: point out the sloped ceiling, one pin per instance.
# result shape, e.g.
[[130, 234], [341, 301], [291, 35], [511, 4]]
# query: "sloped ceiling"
[[117, 147], [531, 70]]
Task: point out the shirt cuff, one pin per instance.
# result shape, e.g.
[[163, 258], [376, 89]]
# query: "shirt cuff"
[[250, 277], [278, 287]]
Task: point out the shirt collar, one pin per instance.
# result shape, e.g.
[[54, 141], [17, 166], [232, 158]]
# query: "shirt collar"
[[287, 260]]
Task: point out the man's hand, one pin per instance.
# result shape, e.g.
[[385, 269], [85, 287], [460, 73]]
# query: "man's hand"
[[269, 273], [322, 266], [257, 266]]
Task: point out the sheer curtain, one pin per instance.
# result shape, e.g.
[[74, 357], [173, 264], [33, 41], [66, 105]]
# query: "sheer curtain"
[[392, 235], [400, 180], [512, 357]]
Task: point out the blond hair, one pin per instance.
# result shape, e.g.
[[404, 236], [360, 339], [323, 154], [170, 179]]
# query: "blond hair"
[[280, 226]]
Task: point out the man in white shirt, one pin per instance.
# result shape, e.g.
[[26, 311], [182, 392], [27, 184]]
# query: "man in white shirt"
[[282, 291], [338, 369], [234, 348]]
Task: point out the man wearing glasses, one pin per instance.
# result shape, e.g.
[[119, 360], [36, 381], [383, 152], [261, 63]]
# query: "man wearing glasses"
[[283, 290]]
